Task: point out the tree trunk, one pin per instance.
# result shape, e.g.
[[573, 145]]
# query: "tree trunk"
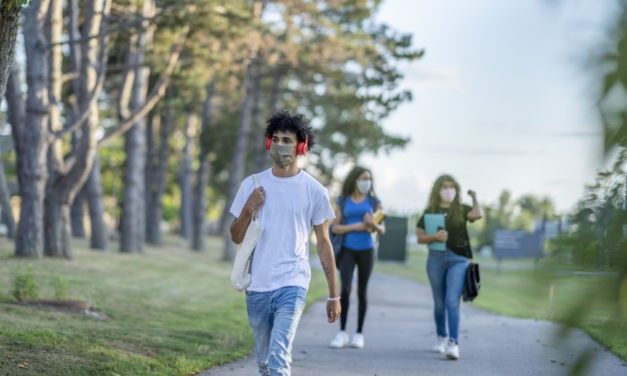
[[31, 147], [259, 142], [9, 22], [77, 211], [16, 111], [133, 220], [186, 177], [5, 204], [153, 214], [68, 176], [202, 178], [77, 215], [99, 236], [93, 191], [57, 225], [56, 242], [156, 182]]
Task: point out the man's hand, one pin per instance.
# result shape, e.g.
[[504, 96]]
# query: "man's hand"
[[333, 310], [240, 224], [255, 200]]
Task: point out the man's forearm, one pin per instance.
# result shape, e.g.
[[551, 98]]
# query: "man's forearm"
[[327, 260], [239, 226]]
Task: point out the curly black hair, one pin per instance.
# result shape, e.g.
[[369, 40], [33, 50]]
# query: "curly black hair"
[[284, 121]]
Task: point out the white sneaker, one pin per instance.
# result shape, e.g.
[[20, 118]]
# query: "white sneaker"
[[440, 345], [357, 341], [452, 350], [340, 340]]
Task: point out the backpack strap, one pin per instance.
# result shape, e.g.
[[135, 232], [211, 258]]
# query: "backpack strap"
[[374, 202], [342, 204]]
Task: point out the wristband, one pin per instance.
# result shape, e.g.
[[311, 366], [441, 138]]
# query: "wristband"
[[336, 299]]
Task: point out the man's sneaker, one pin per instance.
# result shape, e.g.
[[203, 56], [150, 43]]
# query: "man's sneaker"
[[340, 340], [440, 345], [452, 350], [357, 341]]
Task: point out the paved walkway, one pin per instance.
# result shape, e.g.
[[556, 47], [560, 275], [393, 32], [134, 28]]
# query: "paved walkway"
[[399, 333]]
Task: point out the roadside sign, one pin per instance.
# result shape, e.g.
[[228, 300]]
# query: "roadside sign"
[[518, 244]]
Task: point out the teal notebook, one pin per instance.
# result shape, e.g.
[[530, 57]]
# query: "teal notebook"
[[434, 223]]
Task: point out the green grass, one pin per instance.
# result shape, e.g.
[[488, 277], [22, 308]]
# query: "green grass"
[[521, 289], [168, 311], [173, 311]]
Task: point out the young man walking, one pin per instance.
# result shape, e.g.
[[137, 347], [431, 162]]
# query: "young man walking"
[[289, 202]]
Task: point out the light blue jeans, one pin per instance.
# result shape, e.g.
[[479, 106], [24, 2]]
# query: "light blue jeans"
[[447, 275], [274, 317]]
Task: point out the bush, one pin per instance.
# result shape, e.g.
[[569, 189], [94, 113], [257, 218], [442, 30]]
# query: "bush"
[[60, 286], [24, 285]]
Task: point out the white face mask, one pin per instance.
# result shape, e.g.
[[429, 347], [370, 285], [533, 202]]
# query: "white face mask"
[[448, 194], [364, 186]]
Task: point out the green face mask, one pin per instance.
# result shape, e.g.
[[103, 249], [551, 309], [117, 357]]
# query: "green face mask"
[[282, 155]]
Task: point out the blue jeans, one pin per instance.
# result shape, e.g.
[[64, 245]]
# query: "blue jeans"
[[274, 317], [447, 272]]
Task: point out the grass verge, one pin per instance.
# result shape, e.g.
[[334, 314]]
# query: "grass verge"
[[167, 311]]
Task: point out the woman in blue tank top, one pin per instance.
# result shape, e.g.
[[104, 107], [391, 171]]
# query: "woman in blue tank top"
[[354, 219]]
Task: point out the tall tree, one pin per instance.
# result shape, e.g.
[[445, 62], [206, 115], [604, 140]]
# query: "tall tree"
[[202, 174], [77, 211], [77, 215], [162, 125], [185, 176], [133, 225], [222, 54], [99, 238], [9, 23], [133, 105], [16, 110], [67, 175], [30, 136]]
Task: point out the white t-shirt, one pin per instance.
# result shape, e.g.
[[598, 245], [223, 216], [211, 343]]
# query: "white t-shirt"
[[292, 206]]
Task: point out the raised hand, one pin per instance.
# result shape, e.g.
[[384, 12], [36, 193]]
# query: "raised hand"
[[472, 194]]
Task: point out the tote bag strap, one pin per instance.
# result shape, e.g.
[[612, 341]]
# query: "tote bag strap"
[[257, 185]]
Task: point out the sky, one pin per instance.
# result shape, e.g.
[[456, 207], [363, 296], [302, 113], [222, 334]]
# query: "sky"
[[502, 99]]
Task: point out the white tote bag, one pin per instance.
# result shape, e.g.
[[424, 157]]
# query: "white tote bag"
[[240, 275]]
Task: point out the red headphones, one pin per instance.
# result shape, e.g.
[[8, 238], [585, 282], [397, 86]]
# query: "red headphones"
[[301, 148]]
